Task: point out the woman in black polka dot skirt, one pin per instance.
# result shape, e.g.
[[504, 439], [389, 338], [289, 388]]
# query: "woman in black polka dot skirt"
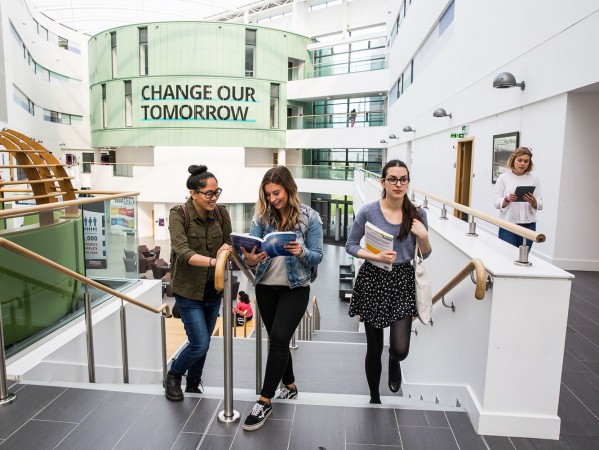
[[384, 298]]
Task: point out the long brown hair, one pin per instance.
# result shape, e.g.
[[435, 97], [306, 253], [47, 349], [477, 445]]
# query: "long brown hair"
[[266, 214], [519, 152], [409, 211]]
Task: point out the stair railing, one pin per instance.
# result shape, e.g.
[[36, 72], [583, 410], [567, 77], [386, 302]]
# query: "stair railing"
[[163, 310]]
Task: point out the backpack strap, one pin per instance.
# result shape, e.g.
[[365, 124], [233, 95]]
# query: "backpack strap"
[[219, 216]]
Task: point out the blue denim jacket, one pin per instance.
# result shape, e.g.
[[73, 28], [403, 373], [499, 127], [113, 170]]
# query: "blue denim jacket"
[[298, 268]]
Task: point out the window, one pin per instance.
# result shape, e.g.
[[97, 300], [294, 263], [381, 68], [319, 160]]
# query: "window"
[[104, 111], [143, 51], [23, 101], [274, 106], [87, 160], [113, 53], [250, 52], [446, 19], [128, 105], [63, 43]]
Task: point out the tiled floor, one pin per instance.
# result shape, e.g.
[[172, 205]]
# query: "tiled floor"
[[45, 417]]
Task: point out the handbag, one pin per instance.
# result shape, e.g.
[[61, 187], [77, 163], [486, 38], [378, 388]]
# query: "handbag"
[[424, 298]]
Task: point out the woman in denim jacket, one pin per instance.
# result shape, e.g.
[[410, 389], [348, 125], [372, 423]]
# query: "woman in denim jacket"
[[283, 282]]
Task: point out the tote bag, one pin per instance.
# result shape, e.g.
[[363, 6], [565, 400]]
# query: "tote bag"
[[424, 298]]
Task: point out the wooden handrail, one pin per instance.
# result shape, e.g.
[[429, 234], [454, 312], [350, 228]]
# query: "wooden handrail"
[[18, 212], [221, 266], [481, 280], [77, 276], [517, 229]]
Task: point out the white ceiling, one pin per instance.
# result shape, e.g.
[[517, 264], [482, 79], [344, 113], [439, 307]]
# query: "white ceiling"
[[94, 16]]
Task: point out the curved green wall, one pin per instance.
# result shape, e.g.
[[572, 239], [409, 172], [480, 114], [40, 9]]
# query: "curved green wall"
[[196, 92]]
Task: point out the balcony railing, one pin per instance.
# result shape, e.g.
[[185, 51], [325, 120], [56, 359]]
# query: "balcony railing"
[[326, 69], [376, 118]]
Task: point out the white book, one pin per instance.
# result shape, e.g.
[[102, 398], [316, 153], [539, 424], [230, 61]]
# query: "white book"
[[378, 241]]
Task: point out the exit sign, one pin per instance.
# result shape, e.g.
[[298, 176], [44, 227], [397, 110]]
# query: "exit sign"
[[457, 135]]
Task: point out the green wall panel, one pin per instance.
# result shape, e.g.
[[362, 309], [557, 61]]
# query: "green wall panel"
[[189, 54]]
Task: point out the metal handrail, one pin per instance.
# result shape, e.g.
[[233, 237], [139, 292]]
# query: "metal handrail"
[[164, 309]]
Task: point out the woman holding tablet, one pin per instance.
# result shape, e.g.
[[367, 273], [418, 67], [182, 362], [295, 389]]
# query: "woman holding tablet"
[[517, 195]]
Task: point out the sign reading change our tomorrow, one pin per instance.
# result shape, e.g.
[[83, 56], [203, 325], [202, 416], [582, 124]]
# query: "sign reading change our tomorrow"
[[188, 106]]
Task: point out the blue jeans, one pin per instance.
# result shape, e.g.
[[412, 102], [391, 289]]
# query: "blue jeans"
[[514, 239], [198, 319]]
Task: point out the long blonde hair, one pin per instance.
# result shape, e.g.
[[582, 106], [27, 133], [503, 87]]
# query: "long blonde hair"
[[266, 214]]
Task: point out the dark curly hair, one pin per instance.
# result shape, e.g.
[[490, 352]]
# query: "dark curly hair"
[[199, 177]]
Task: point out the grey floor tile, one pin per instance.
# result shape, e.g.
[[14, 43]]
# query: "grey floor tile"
[[274, 435], [370, 447], [39, 434], [73, 405], [464, 431], [318, 426], [203, 414], [585, 386], [230, 428], [571, 364], [575, 317], [212, 442], [580, 347], [589, 332], [127, 400], [424, 438], [371, 426], [29, 402], [282, 409], [593, 366], [101, 429], [159, 424], [566, 442], [417, 418], [188, 441], [499, 443], [576, 418]]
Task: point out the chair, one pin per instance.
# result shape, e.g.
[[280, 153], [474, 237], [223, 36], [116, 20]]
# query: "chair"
[[158, 271], [129, 254], [144, 250], [163, 264], [143, 264], [130, 264], [166, 285], [155, 251]]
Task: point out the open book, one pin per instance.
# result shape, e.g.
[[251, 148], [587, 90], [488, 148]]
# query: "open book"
[[377, 241], [273, 243]]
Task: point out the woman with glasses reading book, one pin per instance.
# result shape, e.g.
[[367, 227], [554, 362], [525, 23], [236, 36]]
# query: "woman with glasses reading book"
[[198, 233], [282, 282], [518, 196], [387, 298]]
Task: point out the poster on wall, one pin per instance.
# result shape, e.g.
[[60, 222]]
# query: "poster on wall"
[[122, 215], [503, 147], [94, 236]]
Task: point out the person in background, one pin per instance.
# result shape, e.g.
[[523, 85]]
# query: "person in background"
[[243, 305], [384, 298], [283, 282], [194, 252], [523, 213], [352, 117]]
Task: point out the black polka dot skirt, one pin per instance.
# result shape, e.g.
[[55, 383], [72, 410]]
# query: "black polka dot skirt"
[[381, 297]]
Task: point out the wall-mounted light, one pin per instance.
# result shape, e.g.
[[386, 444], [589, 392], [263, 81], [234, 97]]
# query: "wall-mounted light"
[[62, 144], [383, 141], [506, 80], [392, 136], [440, 112], [408, 129]]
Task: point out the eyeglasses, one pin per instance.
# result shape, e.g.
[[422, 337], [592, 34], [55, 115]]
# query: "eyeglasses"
[[394, 180], [210, 194]]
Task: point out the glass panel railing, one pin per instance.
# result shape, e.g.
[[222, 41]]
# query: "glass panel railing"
[[337, 120], [326, 69]]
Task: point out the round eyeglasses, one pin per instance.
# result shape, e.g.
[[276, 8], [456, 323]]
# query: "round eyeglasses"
[[210, 194], [395, 180]]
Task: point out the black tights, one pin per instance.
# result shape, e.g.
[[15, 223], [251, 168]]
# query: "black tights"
[[399, 346]]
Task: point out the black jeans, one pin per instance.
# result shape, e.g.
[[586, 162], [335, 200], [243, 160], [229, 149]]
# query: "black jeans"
[[282, 310]]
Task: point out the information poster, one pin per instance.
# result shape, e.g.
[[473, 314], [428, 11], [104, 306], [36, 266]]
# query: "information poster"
[[94, 236], [122, 215]]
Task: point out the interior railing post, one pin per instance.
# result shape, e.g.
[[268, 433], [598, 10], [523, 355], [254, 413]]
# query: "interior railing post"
[[444, 213], [523, 254], [5, 396], [89, 333], [258, 349], [163, 336], [425, 203], [234, 318], [228, 415], [471, 226], [124, 351], [293, 345]]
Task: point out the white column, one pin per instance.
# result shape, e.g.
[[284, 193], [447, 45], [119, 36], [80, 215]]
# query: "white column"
[[282, 157]]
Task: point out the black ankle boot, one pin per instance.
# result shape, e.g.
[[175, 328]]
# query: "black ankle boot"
[[172, 387], [194, 387], [394, 375]]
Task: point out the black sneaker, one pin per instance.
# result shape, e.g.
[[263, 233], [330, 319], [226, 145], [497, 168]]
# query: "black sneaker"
[[258, 416], [194, 387], [287, 393]]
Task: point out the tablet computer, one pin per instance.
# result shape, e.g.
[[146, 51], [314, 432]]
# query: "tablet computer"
[[521, 191]]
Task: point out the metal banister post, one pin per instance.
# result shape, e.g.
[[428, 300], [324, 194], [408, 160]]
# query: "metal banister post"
[[5, 397], [228, 415], [258, 349], [124, 351], [89, 334]]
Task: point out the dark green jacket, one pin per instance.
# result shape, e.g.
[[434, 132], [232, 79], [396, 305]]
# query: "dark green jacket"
[[204, 237]]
